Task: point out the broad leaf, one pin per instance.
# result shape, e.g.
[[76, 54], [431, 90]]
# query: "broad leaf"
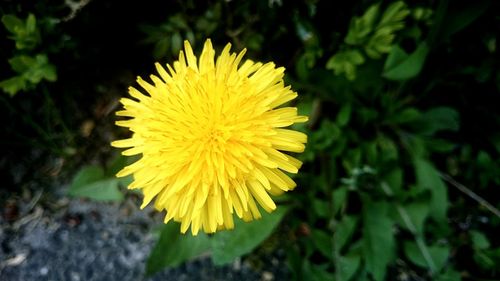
[[428, 179], [344, 230], [174, 248], [90, 183], [246, 236], [348, 266], [378, 238], [401, 66], [434, 258], [323, 242]]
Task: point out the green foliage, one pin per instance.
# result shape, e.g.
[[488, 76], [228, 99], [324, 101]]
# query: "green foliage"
[[174, 248], [379, 244], [246, 236], [402, 66], [374, 33], [94, 182], [400, 95], [30, 69], [25, 33]]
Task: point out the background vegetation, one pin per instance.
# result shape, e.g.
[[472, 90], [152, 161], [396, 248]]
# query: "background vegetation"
[[402, 159]]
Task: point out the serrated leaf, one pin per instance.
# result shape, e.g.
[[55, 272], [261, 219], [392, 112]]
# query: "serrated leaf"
[[401, 66], [393, 15], [346, 62], [174, 248], [428, 179], [246, 236], [360, 27], [378, 239]]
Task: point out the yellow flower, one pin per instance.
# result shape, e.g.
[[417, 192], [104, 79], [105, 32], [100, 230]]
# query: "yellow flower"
[[211, 137]]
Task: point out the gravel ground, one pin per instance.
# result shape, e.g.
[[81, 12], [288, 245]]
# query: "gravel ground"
[[88, 241]]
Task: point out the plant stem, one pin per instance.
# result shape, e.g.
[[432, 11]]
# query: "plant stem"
[[471, 194]]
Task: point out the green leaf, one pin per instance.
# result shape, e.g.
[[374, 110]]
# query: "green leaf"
[[86, 175], [412, 216], [116, 164], [12, 23], [345, 62], [344, 231], [428, 179], [394, 180], [246, 236], [102, 190], [401, 66], [90, 183], [176, 43], [40, 69], [406, 115], [174, 248], [393, 16], [440, 145], [479, 240], [348, 265], [360, 27], [438, 255], [344, 115], [378, 238], [460, 17], [339, 197], [21, 64], [13, 85], [449, 275], [388, 149], [321, 208], [325, 135], [438, 119], [31, 24], [314, 272], [323, 242]]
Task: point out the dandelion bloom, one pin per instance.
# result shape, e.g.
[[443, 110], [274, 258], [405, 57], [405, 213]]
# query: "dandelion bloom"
[[210, 132]]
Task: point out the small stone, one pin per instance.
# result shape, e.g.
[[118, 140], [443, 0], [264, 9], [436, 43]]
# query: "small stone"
[[44, 271], [267, 276]]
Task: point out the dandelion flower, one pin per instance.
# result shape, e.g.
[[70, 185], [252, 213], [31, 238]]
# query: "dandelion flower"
[[211, 136]]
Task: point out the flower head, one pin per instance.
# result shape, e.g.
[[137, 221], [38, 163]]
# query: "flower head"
[[211, 136]]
